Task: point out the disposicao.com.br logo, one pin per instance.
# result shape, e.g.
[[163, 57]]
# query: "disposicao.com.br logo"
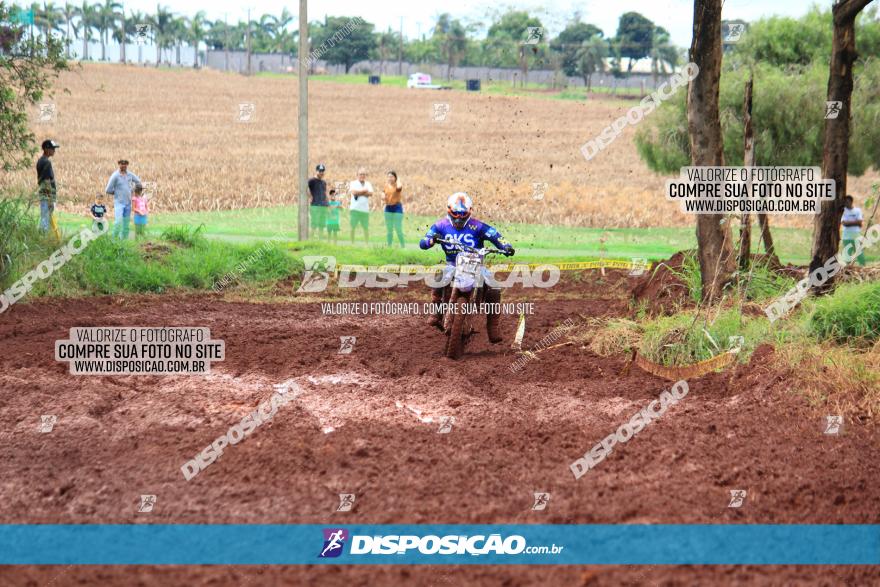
[[477, 545]]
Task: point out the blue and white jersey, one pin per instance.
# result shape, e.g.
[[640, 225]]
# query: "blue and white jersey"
[[473, 234]]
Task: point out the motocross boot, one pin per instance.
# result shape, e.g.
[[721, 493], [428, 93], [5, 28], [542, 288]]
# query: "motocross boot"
[[493, 315], [436, 317]]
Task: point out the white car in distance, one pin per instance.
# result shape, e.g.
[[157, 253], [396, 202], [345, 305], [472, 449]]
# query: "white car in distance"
[[421, 81]]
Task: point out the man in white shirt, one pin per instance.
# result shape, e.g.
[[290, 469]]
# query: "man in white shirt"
[[360, 191], [851, 221]]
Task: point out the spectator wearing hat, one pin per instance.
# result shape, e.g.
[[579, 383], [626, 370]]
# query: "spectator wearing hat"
[[46, 184], [120, 186], [318, 193]]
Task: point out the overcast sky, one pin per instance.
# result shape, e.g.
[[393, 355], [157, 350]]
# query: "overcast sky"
[[675, 15]]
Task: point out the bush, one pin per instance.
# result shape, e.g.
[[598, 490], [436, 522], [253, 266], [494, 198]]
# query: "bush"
[[787, 115], [682, 340], [183, 235], [850, 314]]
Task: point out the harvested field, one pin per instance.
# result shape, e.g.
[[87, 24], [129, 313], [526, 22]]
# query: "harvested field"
[[180, 129]]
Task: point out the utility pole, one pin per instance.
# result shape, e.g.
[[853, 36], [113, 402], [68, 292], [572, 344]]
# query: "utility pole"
[[303, 204], [249, 42], [400, 50]]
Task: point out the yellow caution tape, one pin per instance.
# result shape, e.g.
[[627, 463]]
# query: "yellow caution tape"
[[503, 267], [687, 371]]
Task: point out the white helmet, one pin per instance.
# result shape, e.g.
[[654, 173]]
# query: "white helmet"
[[459, 207]]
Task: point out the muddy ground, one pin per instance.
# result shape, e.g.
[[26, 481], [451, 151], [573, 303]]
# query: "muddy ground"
[[118, 437]]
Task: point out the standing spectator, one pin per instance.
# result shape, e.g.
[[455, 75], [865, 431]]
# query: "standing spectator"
[[98, 209], [120, 185], [394, 208], [140, 207], [46, 184], [359, 209], [318, 208], [852, 227], [333, 208]]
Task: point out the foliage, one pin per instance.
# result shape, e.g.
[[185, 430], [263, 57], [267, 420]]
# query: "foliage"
[[788, 116], [786, 41], [570, 42], [343, 40], [635, 36], [184, 235], [850, 315], [28, 67]]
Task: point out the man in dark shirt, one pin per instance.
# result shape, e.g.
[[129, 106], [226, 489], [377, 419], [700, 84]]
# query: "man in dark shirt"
[[46, 184], [318, 191]]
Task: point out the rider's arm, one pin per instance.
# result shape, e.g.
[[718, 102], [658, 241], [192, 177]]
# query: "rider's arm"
[[493, 236], [428, 240]]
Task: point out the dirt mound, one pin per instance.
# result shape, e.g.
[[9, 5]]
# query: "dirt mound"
[[662, 289]]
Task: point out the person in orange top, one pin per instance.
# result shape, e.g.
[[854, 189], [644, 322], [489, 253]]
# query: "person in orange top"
[[394, 208]]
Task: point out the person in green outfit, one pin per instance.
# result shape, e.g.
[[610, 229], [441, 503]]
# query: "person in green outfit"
[[333, 208]]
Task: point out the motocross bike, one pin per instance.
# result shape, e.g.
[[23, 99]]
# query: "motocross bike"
[[467, 288]]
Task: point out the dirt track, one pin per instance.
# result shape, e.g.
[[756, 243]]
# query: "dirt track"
[[119, 437]]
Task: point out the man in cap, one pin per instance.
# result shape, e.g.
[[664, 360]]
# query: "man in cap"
[[46, 184], [318, 208], [120, 186]]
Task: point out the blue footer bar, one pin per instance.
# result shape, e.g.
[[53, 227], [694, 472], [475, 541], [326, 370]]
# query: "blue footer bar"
[[486, 544]]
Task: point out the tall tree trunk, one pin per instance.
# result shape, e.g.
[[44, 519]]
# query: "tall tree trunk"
[[714, 241], [85, 54], [745, 231], [835, 158], [767, 238], [67, 39], [122, 43]]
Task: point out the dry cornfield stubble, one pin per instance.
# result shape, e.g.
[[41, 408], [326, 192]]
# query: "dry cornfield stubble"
[[180, 129]]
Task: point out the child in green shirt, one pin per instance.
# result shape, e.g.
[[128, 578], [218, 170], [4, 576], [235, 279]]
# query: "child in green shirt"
[[334, 206]]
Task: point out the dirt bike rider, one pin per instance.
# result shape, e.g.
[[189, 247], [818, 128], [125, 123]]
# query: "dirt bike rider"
[[461, 227]]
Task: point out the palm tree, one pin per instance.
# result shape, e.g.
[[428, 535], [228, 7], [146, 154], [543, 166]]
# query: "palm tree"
[[126, 31], [198, 28], [590, 59], [135, 18], [69, 12], [162, 25], [663, 53], [87, 23], [107, 16], [47, 18], [180, 34]]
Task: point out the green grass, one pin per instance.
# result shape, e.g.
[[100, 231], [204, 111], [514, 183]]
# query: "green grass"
[[682, 340], [850, 315], [493, 88], [111, 266], [533, 242]]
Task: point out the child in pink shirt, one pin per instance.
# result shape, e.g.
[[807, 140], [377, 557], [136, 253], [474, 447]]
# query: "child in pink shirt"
[[139, 207]]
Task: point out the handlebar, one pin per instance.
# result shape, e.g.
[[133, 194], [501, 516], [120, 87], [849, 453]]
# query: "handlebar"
[[464, 247]]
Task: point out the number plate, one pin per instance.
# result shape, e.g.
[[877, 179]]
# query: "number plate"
[[468, 263]]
